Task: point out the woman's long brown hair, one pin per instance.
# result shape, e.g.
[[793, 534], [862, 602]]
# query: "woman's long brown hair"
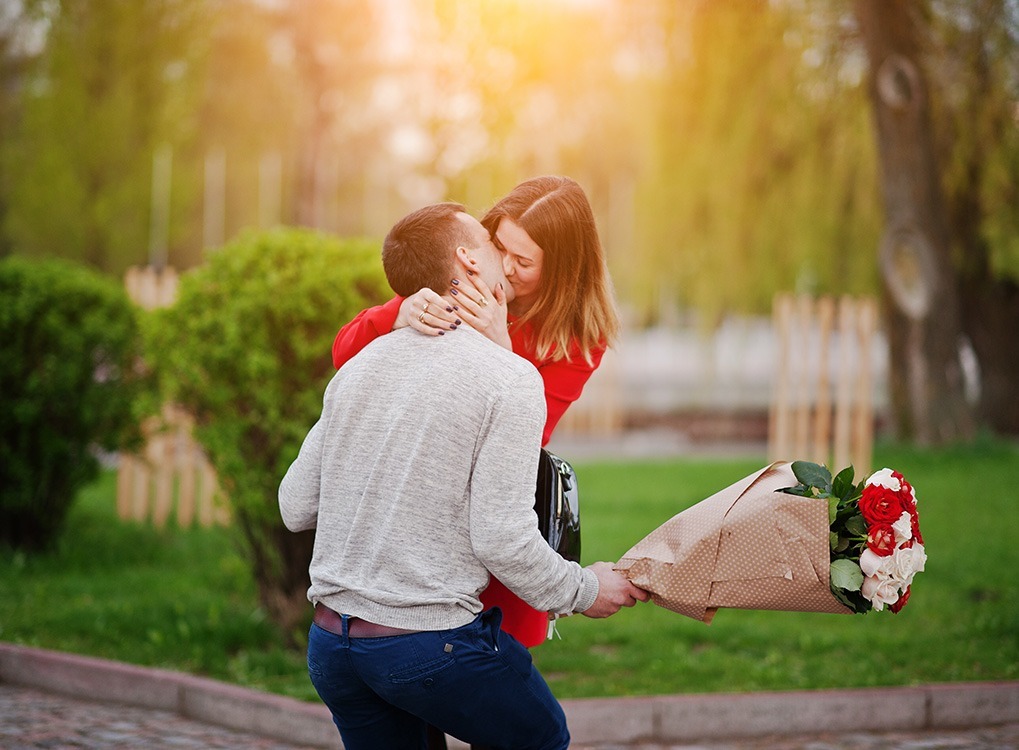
[[574, 304]]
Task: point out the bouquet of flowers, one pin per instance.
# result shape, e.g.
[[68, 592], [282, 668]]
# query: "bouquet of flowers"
[[875, 540], [788, 537]]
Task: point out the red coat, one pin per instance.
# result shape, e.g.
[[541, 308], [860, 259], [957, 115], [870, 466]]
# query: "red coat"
[[564, 380]]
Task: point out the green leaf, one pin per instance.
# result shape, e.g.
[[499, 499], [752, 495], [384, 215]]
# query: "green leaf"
[[842, 485], [833, 541], [845, 574], [833, 509], [841, 596], [853, 600], [812, 475], [856, 526], [799, 490]]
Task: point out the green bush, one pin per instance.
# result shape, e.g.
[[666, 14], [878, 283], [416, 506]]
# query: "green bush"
[[246, 349], [69, 347]]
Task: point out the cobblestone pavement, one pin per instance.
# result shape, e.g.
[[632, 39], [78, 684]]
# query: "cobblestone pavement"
[[34, 719]]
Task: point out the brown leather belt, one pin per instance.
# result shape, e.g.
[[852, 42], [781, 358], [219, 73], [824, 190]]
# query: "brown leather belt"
[[326, 619]]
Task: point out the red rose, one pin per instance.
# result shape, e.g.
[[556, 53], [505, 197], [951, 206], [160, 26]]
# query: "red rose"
[[880, 505], [905, 489], [881, 539], [915, 524], [901, 601]]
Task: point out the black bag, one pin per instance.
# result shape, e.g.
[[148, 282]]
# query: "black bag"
[[557, 504]]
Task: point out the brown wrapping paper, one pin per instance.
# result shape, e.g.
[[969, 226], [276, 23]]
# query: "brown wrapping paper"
[[746, 547]]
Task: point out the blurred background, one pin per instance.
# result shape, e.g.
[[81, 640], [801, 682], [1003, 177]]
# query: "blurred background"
[[729, 149], [810, 210]]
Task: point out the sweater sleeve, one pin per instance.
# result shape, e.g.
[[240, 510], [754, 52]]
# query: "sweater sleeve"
[[299, 490], [504, 531], [564, 380], [367, 326]]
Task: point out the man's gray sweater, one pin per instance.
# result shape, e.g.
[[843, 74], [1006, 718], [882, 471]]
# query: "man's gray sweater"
[[419, 479]]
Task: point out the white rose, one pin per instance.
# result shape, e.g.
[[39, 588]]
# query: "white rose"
[[872, 563], [903, 528], [880, 592], [907, 562], [884, 478]]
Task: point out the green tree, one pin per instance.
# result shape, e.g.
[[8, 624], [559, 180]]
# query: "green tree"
[[973, 61], [20, 30], [759, 173], [246, 350], [114, 81], [69, 382]]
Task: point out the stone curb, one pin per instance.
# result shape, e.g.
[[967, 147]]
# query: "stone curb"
[[618, 721], [196, 698]]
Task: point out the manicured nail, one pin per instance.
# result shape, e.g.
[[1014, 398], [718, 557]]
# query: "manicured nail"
[[456, 307], [456, 281], [442, 333], [454, 291], [449, 309], [458, 321], [452, 328], [470, 272]]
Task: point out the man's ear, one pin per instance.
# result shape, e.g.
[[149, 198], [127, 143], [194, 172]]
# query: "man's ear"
[[463, 256]]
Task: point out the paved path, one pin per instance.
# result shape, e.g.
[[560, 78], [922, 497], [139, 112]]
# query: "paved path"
[[50, 699], [31, 718]]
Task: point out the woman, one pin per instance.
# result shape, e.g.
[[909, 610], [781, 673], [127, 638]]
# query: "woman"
[[560, 317]]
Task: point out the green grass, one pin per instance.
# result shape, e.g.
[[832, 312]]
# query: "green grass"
[[183, 599], [962, 622], [178, 599]]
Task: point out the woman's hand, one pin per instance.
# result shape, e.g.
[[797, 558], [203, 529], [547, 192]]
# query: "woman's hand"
[[427, 312], [481, 307]]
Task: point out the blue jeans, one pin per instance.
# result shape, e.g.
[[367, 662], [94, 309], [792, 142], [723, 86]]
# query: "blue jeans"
[[475, 683]]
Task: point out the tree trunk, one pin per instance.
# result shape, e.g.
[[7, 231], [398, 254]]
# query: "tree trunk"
[[921, 310], [990, 309], [990, 315], [280, 561], [286, 595], [991, 319]]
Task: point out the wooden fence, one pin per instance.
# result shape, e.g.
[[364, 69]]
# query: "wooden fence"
[[822, 409], [171, 472], [151, 287]]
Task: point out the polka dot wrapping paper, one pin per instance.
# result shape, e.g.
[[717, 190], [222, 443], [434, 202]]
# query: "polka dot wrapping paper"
[[748, 546]]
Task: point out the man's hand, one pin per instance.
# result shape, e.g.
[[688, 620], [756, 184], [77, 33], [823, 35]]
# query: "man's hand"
[[614, 591]]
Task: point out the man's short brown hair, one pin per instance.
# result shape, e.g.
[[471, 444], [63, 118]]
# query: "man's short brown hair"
[[418, 251]]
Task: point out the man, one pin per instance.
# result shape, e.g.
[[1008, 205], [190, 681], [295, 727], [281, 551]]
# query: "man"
[[419, 478]]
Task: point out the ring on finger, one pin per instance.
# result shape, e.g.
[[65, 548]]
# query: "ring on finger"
[[482, 301], [425, 308], [421, 317]]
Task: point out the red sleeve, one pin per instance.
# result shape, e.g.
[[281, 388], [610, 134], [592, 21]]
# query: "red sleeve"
[[564, 380], [367, 326]]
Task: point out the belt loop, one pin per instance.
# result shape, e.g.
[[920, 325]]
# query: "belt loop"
[[345, 627]]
